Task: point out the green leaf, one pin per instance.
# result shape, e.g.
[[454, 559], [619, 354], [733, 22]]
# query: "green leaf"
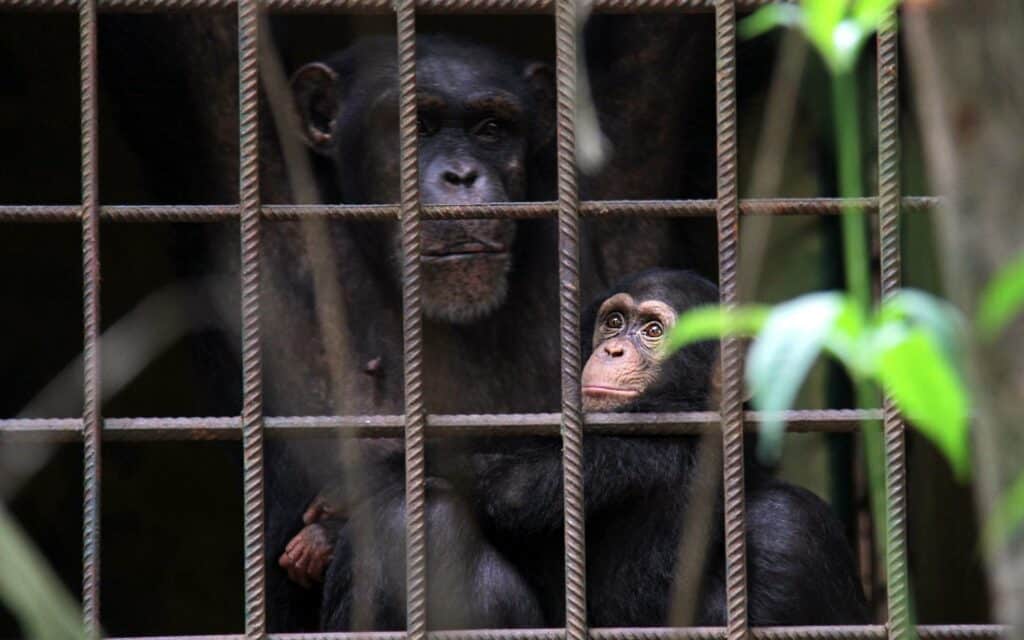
[[847, 39], [821, 18], [769, 17], [846, 339], [1002, 298], [781, 356], [31, 590], [1006, 518], [927, 389], [713, 322], [871, 14], [932, 313]]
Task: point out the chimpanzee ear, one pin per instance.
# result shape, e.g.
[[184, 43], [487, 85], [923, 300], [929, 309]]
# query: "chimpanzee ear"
[[315, 89], [541, 80]]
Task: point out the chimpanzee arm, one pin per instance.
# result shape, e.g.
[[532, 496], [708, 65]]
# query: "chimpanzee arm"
[[801, 567], [519, 486]]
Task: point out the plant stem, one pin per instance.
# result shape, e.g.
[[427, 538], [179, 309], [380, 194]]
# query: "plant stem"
[[874, 458], [856, 259], [847, 131]]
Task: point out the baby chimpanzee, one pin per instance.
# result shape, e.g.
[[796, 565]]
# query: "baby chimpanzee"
[[801, 570], [498, 519]]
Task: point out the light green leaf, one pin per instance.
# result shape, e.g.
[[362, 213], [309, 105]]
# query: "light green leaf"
[[932, 313], [769, 17], [871, 14], [927, 389], [847, 39], [1002, 299], [1006, 518], [783, 353], [821, 18], [846, 340], [31, 590], [713, 322]]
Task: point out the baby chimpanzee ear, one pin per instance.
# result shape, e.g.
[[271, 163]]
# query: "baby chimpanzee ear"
[[315, 88], [541, 80]]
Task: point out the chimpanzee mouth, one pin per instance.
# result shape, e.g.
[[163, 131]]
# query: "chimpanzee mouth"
[[464, 250], [599, 391]]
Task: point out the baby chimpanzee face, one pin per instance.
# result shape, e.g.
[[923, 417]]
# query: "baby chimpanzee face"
[[628, 368]]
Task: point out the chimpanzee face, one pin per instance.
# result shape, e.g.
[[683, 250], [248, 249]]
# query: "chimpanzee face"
[[480, 115], [628, 368]]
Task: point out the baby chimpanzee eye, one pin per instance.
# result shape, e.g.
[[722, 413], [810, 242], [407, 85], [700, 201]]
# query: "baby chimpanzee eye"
[[614, 320], [653, 330]]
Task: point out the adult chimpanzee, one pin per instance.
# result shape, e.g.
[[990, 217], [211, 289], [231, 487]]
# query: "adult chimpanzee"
[[483, 117], [494, 524], [485, 124]]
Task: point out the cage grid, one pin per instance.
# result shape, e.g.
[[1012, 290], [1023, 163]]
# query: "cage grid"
[[251, 426]]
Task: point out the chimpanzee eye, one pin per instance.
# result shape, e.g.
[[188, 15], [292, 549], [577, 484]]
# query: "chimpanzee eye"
[[653, 330], [426, 125], [489, 130], [614, 320]]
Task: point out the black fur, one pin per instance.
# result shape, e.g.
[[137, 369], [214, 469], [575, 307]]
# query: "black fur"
[[497, 538]]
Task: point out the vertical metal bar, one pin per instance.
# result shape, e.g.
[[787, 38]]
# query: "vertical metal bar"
[[889, 230], [252, 354], [569, 313], [728, 259], [412, 329], [91, 320]]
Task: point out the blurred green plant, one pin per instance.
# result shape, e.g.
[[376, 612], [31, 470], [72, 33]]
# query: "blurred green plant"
[[1006, 518], [1002, 299], [909, 344], [35, 596]]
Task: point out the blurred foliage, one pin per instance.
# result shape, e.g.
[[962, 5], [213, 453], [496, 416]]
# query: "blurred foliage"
[[910, 345], [1006, 519], [31, 590], [837, 28], [1002, 299]]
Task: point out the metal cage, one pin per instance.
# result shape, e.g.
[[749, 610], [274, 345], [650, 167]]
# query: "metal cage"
[[251, 426]]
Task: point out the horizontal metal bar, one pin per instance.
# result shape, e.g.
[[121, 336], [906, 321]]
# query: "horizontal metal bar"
[[525, 210], [448, 425], [865, 632], [381, 6]]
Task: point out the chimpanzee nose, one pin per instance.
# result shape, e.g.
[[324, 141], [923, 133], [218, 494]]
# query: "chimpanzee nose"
[[460, 176], [613, 349]]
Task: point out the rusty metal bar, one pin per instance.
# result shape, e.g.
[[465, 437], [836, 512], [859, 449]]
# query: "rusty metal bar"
[[866, 632], [519, 210], [437, 425], [898, 587], [92, 400], [412, 331], [252, 349], [731, 353], [383, 6], [566, 22]]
